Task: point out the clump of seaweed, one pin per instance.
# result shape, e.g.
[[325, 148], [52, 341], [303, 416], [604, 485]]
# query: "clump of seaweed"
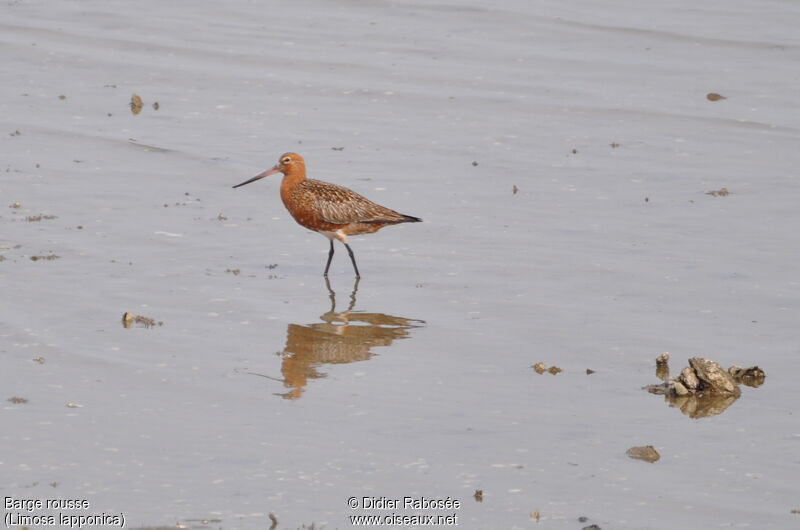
[[541, 368], [37, 218], [129, 320], [49, 257]]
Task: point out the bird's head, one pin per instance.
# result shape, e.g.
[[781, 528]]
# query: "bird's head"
[[288, 163]]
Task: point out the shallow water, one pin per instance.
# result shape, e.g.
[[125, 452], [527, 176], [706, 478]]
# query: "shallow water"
[[560, 156]]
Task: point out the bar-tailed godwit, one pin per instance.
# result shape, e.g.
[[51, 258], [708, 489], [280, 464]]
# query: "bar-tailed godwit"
[[334, 211]]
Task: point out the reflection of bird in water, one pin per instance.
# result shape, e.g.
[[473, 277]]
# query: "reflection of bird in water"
[[333, 211], [344, 337]]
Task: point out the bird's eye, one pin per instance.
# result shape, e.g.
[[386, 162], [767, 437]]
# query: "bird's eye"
[[286, 160]]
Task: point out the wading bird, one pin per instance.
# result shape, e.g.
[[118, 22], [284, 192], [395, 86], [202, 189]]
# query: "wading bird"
[[333, 211]]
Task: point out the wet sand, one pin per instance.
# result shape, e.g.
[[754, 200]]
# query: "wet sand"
[[560, 157]]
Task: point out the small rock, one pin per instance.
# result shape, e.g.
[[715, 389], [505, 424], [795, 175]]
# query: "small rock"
[[689, 379], [680, 390], [717, 380], [752, 376], [647, 453]]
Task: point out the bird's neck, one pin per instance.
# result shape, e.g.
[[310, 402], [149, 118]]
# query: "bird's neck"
[[291, 179], [295, 175]]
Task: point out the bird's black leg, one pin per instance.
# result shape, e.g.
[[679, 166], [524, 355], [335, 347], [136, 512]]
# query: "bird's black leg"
[[330, 257], [353, 259]]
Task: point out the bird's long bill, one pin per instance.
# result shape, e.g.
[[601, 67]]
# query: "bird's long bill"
[[259, 176]]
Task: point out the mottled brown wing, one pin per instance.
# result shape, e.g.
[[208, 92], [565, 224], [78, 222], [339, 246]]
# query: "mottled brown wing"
[[339, 205]]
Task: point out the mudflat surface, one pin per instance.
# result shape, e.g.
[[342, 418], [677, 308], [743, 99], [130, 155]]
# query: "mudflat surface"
[[560, 156]]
